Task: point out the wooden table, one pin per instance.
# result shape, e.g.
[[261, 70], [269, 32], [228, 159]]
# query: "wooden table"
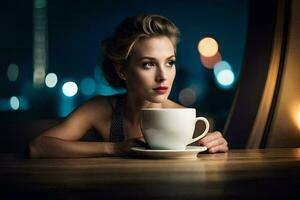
[[239, 174]]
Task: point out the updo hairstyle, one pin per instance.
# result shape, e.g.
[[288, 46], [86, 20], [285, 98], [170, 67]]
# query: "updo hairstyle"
[[117, 48]]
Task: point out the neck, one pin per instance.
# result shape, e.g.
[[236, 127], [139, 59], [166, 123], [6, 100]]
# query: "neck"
[[133, 106]]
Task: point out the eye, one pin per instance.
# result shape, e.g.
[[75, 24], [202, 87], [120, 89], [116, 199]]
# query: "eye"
[[171, 63], [148, 65]]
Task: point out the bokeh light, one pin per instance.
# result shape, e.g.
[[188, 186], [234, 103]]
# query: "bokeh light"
[[40, 3], [208, 47], [88, 86], [65, 105], [14, 103], [39, 76], [70, 89], [107, 90], [187, 96], [225, 78], [98, 74], [51, 80], [209, 62], [12, 72], [220, 66], [24, 105], [103, 88], [295, 112]]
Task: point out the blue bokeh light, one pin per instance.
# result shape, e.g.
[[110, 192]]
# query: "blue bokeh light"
[[14, 103], [225, 78], [66, 105], [51, 80], [220, 66], [12, 72], [224, 75], [70, 89], [88, 86], [103, 87], [24, 104]]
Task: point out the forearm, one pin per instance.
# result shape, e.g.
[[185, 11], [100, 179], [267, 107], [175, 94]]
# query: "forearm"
[[47, 147]]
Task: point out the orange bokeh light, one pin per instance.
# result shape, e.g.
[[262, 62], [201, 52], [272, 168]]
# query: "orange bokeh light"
[[208, 47], [209, 62]]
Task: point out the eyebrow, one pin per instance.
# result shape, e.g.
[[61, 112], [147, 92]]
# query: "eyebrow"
[[152, 58]]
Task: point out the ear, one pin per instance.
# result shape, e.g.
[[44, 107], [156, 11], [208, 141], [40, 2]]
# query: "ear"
[[120, 70]]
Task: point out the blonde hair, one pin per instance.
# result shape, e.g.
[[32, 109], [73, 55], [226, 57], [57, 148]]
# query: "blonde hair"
[[117, 48]]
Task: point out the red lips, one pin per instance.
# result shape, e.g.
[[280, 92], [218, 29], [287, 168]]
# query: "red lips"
[[161, 89]]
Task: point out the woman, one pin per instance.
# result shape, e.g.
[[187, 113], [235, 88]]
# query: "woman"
[[140, 56]]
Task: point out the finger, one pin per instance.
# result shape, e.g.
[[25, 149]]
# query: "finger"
[[221, 148], [210, 137], [141, 138], [216, 142], [141, 143]]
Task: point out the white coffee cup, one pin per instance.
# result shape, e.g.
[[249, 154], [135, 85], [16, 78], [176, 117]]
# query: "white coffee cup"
[[170, 128]]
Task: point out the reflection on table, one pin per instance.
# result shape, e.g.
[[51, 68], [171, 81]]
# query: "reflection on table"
[[239, 174]]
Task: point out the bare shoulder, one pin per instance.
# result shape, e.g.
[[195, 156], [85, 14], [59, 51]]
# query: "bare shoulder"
[[171, 104], [98, 107], [82, 119]]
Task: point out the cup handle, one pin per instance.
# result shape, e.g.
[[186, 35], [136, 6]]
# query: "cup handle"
[[205, 131]]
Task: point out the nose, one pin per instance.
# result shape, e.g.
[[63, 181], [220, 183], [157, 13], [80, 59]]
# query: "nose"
[[161, 74]]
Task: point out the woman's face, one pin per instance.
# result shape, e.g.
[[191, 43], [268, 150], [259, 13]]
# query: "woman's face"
[[150, 70]]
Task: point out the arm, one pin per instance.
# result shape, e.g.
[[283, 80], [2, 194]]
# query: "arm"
[[61, 140], [47, 146]]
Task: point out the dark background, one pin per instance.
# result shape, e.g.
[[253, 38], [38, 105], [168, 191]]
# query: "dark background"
[[75, 29]]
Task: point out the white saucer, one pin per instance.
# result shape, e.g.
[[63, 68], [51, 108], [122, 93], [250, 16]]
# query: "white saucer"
[[189, 152]]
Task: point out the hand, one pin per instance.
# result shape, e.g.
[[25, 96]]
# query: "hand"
[[123, 148], [214, 142]]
